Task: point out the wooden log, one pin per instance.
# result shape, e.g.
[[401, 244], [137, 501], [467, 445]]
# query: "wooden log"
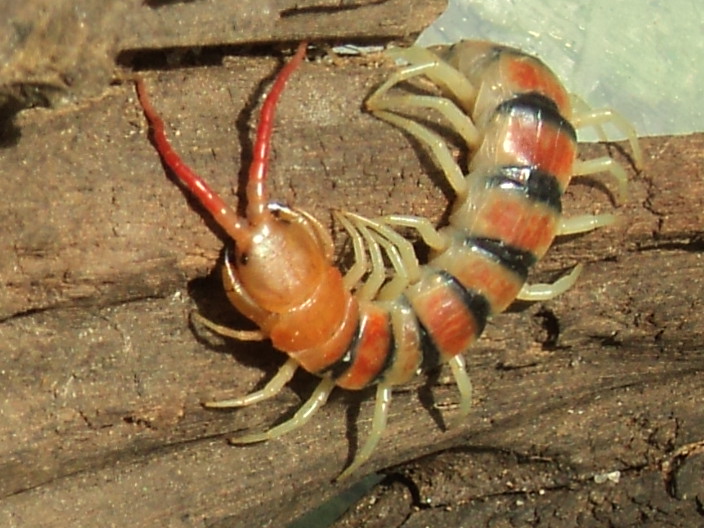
[[103, 258]]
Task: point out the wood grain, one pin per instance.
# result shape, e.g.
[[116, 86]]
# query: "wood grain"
[[103, 258]]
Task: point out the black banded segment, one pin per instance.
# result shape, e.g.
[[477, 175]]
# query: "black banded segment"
[[477, 307], [537, 185], [543, 108], [339, 367], [431, 354], [517, 260], [475, 302], [428, 348], [390, 355], [369, 352]]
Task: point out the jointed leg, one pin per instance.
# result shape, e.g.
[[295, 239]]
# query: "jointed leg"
[[399, 251], [584, 116], [598, 118], [425, 62], [584, 223], [427, 231], [272, 388], [608, 165], [241, 335], [464, 384], [361, 264], [377, 276], [459, 120], [381, 413], [374, 235], [580, 108], [437, 146], [402, 275], [547, 291], [302, 416], [407, 260]]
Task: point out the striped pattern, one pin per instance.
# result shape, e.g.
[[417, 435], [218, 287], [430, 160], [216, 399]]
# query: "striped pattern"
[[506, 223], [442, 318], [537, 185]]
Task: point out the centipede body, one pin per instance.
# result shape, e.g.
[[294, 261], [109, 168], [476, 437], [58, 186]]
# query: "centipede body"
[[360, 328]]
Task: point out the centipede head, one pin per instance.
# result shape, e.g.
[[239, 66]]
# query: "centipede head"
[[280, 253], [280, 263]]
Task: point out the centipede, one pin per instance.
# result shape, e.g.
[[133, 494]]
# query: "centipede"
[[389, 318]]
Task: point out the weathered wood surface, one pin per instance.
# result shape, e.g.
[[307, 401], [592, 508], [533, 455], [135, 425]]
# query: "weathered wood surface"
[[103, 259], [57, 52]]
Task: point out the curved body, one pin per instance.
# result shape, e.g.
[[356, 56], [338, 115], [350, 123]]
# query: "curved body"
[[360, 329]]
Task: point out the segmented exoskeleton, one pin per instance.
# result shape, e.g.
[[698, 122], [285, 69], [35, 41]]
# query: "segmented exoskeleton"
[[360, 329]]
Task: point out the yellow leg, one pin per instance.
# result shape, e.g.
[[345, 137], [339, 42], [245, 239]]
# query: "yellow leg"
[[545, 291], [271, 389], [241, 335], [464, 385], [437, 147], [381, 413], [302, 416]]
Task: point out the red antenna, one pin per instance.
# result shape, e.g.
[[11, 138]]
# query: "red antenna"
[[257, 199], [256, 193]]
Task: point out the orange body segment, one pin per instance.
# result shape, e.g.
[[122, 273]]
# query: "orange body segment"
[[528, 74], [538, 143], [446, 319], [319, 358], [517, 223], [316, 319], [372, 349], [488, 277]]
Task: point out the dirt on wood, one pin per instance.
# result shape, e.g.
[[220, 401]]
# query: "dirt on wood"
[[587, 408]]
